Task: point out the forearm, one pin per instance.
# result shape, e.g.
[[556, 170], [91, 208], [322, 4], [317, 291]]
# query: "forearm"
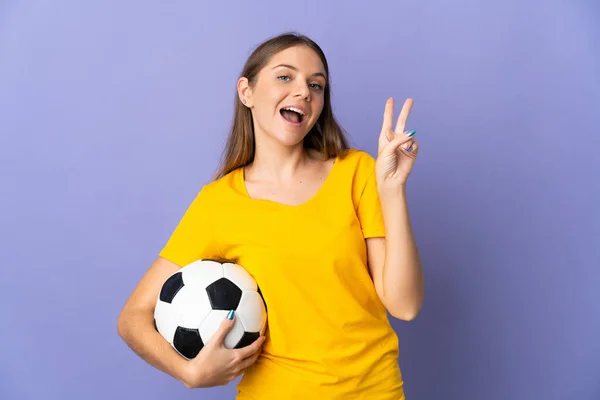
[[136, 328], [402, 272]]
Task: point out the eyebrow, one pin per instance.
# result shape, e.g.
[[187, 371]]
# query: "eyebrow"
[[321, 74]]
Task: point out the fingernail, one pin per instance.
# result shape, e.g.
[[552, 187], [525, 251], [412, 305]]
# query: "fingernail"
[[410, 133], [410, 149], [230, 315]]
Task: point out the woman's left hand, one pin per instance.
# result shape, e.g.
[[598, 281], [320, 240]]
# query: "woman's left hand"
[[397, 150]]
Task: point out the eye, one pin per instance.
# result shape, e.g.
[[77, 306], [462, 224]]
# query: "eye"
[[283, 78], [316, 86]]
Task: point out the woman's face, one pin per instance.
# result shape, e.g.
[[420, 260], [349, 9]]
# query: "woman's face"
[[288, 95]]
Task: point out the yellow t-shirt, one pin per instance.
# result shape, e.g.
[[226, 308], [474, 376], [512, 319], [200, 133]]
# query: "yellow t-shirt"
[[328, 335]]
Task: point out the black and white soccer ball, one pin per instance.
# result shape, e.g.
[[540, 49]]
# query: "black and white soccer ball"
[[193, 302]]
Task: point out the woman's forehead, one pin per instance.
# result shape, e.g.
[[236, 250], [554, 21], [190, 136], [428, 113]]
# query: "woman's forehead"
[[300, 58]]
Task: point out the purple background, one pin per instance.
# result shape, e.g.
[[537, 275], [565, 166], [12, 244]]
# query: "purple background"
[[113, 114]]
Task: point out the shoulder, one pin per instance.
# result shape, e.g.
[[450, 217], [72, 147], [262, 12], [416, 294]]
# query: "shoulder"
[[358, 169], [357, 157], [353, 171], [359, 162], [219, 189]]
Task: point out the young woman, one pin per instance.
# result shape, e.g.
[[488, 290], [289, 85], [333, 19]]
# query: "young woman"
[[324, 230]]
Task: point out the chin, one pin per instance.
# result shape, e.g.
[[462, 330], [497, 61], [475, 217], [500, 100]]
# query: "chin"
[[290, 139]]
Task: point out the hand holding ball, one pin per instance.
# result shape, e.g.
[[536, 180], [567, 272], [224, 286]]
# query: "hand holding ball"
[[194, 301]]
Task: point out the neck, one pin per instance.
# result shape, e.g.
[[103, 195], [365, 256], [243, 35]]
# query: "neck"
[[276, 162]]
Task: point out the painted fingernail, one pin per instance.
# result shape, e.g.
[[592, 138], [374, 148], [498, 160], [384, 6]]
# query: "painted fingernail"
[[230, 315], [410, 133], [409, 149]]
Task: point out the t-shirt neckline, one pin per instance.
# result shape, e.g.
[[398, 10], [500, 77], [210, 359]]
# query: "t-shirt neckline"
[[242, 186]]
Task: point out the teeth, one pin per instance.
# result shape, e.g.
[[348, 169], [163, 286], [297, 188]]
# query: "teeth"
[[295, 110]]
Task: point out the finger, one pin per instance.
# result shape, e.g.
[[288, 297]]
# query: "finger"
[[411, 149], [410, 135], [252, 348], [398, 141], [392, 146], [224, 328], [388, 116], [403, 117], [248, 361], [406, 137]]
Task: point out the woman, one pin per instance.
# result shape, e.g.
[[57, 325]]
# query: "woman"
[[323, 229]]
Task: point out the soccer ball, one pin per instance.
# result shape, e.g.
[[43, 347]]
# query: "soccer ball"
[[193, 302]]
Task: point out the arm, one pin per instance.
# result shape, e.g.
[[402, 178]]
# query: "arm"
[[136, 322], [394, 261]]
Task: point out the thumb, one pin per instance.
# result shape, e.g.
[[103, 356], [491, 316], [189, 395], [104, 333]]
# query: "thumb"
[[224, 328]]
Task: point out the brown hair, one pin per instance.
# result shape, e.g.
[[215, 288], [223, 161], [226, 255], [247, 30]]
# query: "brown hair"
[[327, 136]]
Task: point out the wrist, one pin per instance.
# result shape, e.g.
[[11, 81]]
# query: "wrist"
[[391, 192]]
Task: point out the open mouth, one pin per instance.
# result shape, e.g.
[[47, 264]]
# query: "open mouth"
[[293, 115]]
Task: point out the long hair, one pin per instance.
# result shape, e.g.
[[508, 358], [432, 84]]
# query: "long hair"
[[326, 136]]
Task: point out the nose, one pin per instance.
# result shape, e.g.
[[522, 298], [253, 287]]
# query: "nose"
[[302, 90]]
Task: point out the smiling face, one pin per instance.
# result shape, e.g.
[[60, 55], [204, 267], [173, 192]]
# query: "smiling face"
[[288, 96]]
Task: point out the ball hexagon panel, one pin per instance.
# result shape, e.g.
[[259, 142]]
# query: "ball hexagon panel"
[[211, 325], [191, 306], [202, 272], [165, 320], [239, 276], [251, 304]]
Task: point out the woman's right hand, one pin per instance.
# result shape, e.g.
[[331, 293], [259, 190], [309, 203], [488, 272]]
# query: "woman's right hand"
[[217, 365]]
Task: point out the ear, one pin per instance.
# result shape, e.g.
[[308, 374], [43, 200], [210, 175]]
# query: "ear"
[[244, 91]]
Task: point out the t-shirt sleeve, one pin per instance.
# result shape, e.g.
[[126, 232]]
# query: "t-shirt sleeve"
[[369, 208], [194, 236]]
